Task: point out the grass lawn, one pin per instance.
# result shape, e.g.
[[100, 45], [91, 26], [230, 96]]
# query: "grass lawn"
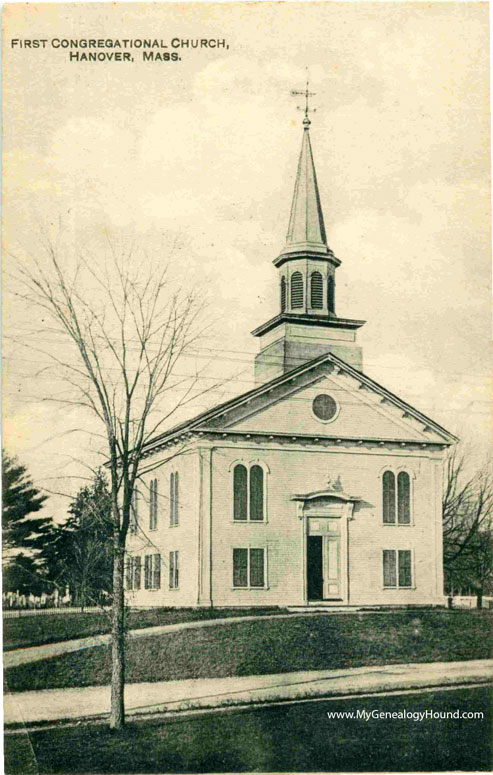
[[289, 738], [35, 630], [274, 646]]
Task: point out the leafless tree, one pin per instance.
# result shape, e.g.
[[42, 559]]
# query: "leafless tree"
[[126, 326], [467, 511]]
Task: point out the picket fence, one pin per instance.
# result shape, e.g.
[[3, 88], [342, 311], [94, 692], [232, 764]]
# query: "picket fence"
[[16, 614]]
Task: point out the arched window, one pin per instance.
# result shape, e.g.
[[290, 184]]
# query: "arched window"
[[256, 493], [249, 493], [316, 291], [331, 294], [240, 477], [403, 498], [283, 294], [396, 500], [388, 482], [296, 290]]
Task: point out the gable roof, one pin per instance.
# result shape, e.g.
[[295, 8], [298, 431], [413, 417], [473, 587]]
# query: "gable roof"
[[199, 422]]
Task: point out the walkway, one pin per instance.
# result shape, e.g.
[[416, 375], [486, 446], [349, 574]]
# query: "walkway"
[[174, 696]]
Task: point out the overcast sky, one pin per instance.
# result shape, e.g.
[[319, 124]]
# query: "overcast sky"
[[204, 152]]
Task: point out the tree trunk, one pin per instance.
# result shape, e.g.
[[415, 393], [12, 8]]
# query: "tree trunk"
[[117, 716], [479, 598]]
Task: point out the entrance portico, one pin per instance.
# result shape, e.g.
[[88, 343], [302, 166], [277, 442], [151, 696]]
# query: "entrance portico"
[[325, 515]]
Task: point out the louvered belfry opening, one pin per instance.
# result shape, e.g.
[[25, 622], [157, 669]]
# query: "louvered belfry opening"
[[316, 291], [331, 294], [283, 294], [297, 290]]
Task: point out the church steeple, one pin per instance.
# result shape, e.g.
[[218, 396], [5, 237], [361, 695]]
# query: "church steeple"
[[306, 230], [307, 325]]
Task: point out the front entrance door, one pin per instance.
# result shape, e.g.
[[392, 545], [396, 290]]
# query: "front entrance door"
[[324, 561]]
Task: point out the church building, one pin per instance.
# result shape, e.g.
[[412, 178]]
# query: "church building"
[[319, 487]]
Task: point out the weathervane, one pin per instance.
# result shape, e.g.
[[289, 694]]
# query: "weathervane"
[[306, 94]]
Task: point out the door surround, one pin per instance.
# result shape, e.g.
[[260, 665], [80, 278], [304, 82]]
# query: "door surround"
[[319, 511]]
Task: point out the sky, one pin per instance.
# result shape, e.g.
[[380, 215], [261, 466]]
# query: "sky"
[[197, 158]]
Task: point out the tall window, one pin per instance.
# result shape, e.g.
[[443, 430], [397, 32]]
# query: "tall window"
[[248, 493], [153, 505], [174, 573], [134, 512], [173, 498], [152, 571], [331, 294], [296, 290], [396, 500], [133, 572], [397, 568], [249, 568], [283, 294], [316, 291]]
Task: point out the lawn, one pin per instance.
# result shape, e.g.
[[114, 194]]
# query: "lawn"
[[35, 630], [274, 646], [289, 738]]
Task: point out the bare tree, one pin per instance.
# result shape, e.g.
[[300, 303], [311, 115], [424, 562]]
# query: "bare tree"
[[467, 511], [127, 326]]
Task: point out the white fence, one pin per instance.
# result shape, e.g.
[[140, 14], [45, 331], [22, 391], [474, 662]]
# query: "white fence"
[[16, 614], [470, 601]]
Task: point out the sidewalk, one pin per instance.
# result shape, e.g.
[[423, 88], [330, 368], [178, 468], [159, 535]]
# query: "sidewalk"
[[175, 696]]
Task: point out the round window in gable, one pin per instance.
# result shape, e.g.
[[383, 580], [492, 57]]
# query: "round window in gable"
[[325, 408]]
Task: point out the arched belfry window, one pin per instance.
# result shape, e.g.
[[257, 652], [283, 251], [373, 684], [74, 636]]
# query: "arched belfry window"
[[331, 294], [296, 290], [396, 500], [316, 291], [249, 493], [283, 294]]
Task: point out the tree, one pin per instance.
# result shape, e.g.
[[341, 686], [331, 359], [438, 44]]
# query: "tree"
[[25, 575], [126, 325], [78, 554], [467, 512], [20, 499]]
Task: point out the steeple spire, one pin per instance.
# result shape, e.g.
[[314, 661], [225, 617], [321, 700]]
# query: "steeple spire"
[[306, 230]]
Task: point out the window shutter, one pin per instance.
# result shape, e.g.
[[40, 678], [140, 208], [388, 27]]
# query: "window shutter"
[[256, 493], [257, 567], [137, 572], [129, 573], [171, 498], [331, 300], [388, 487], [240, 493], [157, 572], [176, 500], [389, 570], [240, 567], [403, 498], [316, 291], [134, 511], [283, 294], [147, 571], [296, 290], [405, 574]]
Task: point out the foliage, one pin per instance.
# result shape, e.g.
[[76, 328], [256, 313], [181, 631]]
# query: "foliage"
[[25, 575], [467, 512], [20, 499], [78, 554]]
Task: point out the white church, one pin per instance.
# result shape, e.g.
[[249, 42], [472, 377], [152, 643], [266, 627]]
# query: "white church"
[[319, 487]]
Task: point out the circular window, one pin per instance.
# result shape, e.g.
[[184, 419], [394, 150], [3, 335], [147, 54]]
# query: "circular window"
[[324, 408]]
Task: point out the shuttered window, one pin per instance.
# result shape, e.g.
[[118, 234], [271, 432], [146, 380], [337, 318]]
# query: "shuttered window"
[[296, 290], [152, 571], [397, 568], [174, 504], [389, 571], [240, 476], [174, 572], [129, 573], [147, 571], [137, 572], [249, 568], [256, 493], [388, 486], [283, 294], [316, 291], [331, 294], [153, 505], [403, 499]]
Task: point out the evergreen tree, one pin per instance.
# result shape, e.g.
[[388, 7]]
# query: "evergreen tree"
[[20, 500]]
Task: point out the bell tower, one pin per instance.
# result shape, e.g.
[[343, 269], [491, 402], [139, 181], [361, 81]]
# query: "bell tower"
[[307, 325]]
